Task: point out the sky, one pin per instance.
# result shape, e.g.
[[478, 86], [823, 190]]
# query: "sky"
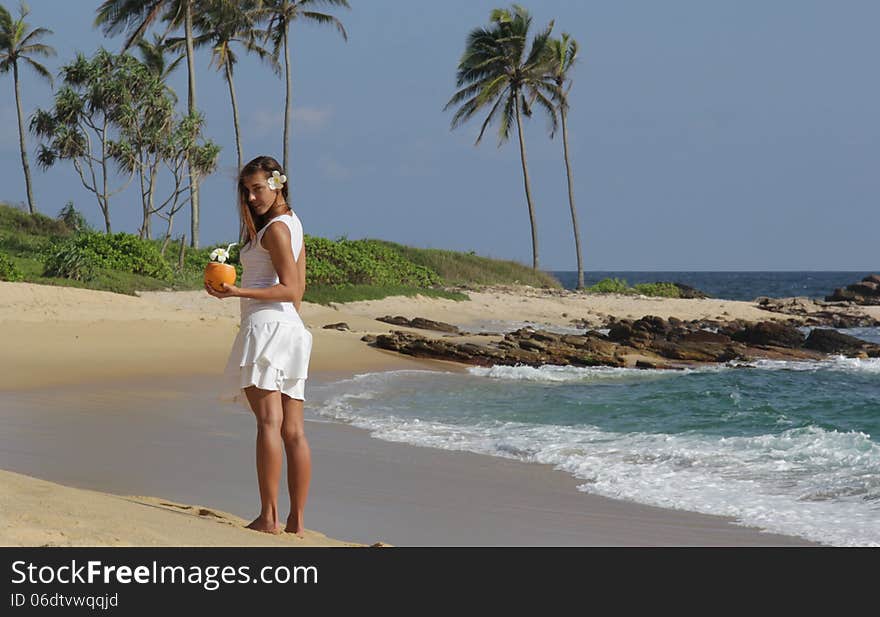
[[704, 135]]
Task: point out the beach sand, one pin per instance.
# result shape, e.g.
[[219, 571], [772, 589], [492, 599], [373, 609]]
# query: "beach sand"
[[113, 393]]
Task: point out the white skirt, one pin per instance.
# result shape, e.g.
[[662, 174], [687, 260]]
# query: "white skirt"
[[271, 351]]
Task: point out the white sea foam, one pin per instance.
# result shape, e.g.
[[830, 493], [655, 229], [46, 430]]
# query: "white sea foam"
[[833, 363], [819, 484], [555, 373]]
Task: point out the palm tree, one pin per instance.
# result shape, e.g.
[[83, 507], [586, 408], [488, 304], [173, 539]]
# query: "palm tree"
[[16, 43], [220, 24], [281, 13], [155, 57], [134, 17], [564, 53], [495, 70]]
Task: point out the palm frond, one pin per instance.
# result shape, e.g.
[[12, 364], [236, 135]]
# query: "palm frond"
[[41, 70], [36, 33], [322, 18], [490, 118], [507, 119]]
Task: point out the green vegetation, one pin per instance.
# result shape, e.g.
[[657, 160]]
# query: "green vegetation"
[[665, 290], [8, 270], [86, 252], [620, 286], [610, 286], [66, 252], [470, 269]]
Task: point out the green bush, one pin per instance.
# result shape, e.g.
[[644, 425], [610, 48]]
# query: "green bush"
[[8, 269], [81, 256], [73, 218], [362, 262], [14, 219], [665, 290], [608, 286]]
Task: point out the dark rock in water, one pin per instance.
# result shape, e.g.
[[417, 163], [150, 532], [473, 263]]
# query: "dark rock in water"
[[832, 341], [770, 333], [865, 292], [420, 323], [337, 326]]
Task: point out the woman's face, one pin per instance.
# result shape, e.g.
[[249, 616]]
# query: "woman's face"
[[259, 196]]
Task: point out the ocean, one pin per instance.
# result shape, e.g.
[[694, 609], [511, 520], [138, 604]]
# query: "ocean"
[[790, 447], [744, 286]]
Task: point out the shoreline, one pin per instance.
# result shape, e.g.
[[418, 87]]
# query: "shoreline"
[[365, 490], [101, 360]]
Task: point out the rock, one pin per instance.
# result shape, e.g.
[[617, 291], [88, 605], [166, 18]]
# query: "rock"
[[396, 321], [420, 323], [651, 365], [832, 341], [369, 338], [620, 331], [865, 292], [819, 313], [646, 342], [337, 326], [770, 333]]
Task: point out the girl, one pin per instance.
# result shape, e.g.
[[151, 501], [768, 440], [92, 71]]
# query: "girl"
[[269, 360]]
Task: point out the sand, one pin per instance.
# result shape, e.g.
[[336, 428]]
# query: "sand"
[[60, 340]]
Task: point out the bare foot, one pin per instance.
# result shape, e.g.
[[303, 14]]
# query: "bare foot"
[[264, 525], [295, 526]]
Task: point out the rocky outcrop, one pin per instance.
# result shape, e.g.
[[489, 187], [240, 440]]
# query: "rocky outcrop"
[[336, 326], [818, 313], [419, 323], [866, 292], [650, 342], [834, 342], [770, 333]]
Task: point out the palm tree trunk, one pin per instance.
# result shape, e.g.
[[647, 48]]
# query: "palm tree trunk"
[[287, 104], [525, 167], [191, 107], [574, 220], [24, 161], [234, 113]]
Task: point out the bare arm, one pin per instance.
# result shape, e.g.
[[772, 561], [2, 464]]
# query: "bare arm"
[[301, 267], [291, 285]]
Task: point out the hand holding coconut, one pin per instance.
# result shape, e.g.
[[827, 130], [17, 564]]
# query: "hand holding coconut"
[[219, 275]]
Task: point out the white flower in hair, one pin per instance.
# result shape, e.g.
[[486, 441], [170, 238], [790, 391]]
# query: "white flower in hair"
[[277, 180]]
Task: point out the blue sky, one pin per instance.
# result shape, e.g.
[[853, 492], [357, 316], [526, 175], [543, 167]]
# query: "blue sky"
[[704, 135]]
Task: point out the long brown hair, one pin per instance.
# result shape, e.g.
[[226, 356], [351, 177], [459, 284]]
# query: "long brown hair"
[[248, 227]]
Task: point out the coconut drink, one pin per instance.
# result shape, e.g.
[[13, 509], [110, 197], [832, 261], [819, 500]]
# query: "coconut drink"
[[218, 271]]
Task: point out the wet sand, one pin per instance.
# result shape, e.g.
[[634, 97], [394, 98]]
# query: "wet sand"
[[169, 437]]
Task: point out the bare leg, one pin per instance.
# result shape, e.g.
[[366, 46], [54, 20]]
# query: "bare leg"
[[266, 405], [299, 462]]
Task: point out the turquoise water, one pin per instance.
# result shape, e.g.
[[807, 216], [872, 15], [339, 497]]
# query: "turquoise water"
[[791, 447]]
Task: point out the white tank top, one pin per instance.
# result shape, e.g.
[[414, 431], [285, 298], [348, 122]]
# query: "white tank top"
[[258, 271]]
